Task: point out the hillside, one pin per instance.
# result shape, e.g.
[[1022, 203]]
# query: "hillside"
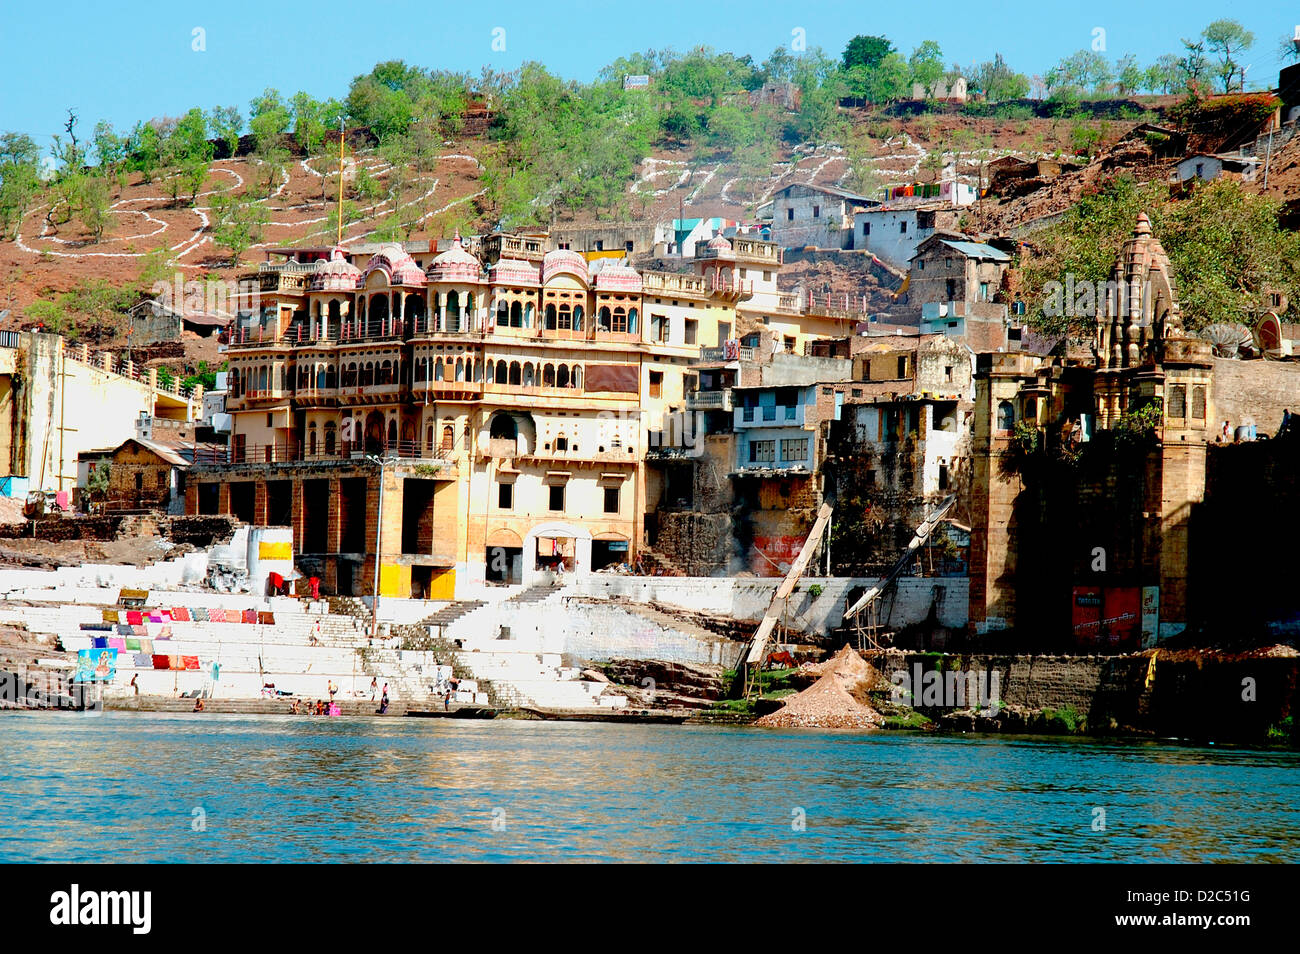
[[47, 259]]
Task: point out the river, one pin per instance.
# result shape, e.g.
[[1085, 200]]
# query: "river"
[[154, 787]]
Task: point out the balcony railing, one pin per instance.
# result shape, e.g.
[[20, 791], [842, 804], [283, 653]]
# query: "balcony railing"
[[293, 452], [708, 401], [727, 353]]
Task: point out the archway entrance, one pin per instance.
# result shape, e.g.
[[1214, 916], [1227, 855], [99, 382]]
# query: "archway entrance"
[[374, 433]]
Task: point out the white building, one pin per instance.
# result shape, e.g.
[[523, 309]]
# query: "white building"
[[1207, 167], [820, 216]]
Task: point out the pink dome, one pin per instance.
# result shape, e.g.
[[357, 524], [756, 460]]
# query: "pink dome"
[[397, 266], [512, 271], [613, 277], [455, 265], [720, 243], [335, 274], [563, 261]]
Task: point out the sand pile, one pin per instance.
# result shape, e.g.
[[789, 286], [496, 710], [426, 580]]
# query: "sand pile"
[[837, 700]]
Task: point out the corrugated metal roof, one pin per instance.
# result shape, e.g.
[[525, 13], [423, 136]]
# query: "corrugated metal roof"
[[978, 250]]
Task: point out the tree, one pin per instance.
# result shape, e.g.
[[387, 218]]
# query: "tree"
[[93, 207], [1129, 76], [110, 149], [311, 118], [1192, 64], [1288, 49], [866, 52], [144, 148], [926, 64], [1228, 39], [225, 123], [19, 179], [1081, 73], [99, 480], [1165, 75], [238, 224], [998, 81]]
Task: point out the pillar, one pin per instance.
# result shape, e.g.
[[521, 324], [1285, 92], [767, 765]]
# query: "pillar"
[[223, 497], [260, 504], [297, 515], [334, 525]]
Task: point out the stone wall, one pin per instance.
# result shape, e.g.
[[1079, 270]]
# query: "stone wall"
[[909, 603], [1255, 390], [1200, 696]]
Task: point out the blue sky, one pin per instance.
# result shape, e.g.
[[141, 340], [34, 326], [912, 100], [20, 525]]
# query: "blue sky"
[[132, 60]]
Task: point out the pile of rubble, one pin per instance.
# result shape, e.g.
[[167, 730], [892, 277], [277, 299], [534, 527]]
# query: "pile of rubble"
[[837, 700]]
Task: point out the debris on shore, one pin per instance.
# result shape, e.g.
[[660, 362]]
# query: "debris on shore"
[[837, 700]]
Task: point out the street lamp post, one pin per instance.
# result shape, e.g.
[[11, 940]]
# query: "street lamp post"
[[381, 463]]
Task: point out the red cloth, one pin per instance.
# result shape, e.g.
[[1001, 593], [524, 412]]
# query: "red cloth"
[[276, 580], [134, 617], [191, 662], [161, 662]]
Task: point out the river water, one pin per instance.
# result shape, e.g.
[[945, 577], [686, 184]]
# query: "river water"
[[155, 787]]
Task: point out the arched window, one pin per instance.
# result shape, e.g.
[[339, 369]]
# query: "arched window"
[[516, 315], [460, 369], [530, 377], [320, 376], [437, 370], [548, 376], [528, 315], [602, 319], [577, 317], [577, 376], [386, 372], [428, 441], [453, 311], [350, 375], [501, 373], [311, 439], [562, 376], [503, 427], [331, 378], [378, 315], [1006, 416], [329, 438], [448, 440], [550, 318], [631, 321], [516, 373], [392, 435], [261, 378], [367, 375], [503, 312]]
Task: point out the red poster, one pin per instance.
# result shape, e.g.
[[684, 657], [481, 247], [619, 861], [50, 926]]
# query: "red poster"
[[1122, 616], [1085, 615]]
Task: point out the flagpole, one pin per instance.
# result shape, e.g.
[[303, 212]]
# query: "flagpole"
[[341, 134]]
